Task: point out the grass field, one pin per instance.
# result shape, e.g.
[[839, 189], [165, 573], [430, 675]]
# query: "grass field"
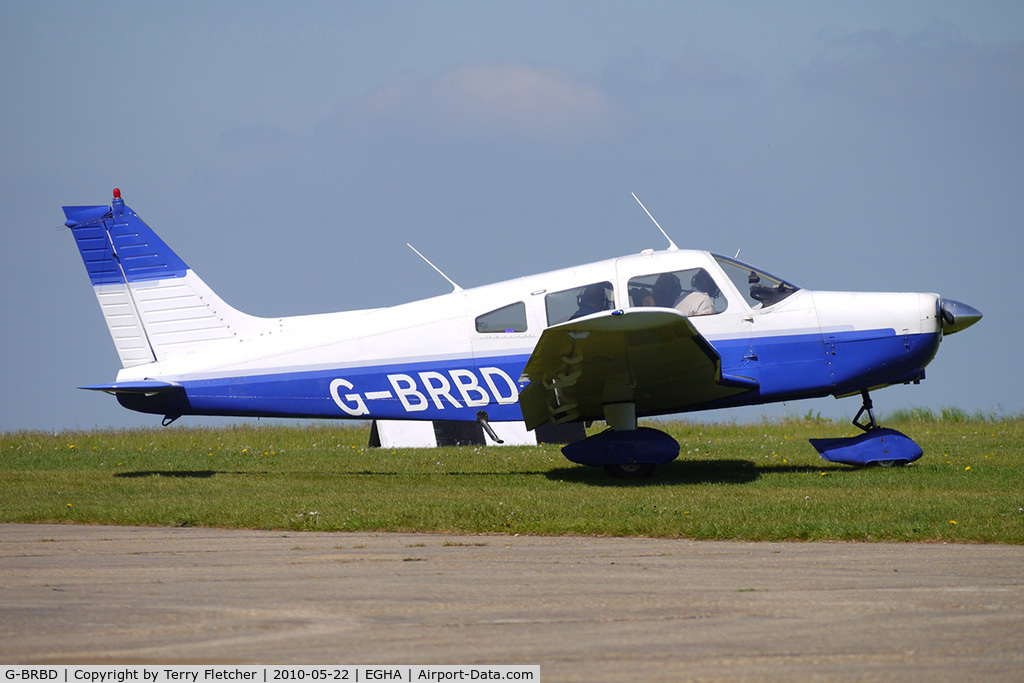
[[749, 482]]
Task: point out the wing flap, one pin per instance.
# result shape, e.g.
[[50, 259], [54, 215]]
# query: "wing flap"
[[652, 357]]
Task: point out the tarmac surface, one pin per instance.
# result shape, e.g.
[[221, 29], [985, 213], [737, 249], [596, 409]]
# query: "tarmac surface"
[[584, 609]]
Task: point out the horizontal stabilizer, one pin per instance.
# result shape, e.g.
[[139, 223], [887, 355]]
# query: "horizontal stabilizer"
[[148, 387]]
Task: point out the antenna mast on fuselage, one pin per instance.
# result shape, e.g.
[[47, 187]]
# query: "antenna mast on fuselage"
[[455, 287], [671, 245]]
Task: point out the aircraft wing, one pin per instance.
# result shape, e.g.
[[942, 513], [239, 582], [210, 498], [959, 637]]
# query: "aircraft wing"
[[652, 357]]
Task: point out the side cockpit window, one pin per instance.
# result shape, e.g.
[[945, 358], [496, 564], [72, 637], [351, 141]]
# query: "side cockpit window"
[[757, 287], [693, 292], [507, 319], [577, 302]]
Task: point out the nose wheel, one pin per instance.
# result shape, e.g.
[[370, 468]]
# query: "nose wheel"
[[876, 446]]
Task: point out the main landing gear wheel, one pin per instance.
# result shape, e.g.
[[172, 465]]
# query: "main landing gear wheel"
[[625, 454], [633, 470]]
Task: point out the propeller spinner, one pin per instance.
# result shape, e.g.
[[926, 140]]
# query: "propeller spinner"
[[957, 316]]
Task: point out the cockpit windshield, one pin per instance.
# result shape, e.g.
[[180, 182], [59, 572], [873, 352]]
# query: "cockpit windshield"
[[757, 287]]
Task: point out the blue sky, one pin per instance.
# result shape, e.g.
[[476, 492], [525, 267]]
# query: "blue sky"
[[288, 150]]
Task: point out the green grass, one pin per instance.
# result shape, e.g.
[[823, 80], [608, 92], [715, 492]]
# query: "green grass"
[[750, 482]]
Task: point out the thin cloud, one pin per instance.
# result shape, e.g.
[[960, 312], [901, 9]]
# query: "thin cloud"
[[497, 99], [923, 69], [691, 70]]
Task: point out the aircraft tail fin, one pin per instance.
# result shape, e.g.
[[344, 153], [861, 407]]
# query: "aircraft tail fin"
[[154, 305]]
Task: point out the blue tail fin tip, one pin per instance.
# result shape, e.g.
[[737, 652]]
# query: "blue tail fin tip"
[[118, 246], [83, 215]]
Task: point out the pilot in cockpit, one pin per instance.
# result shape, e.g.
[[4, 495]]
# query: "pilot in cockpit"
[[591, 300], [666, 290]]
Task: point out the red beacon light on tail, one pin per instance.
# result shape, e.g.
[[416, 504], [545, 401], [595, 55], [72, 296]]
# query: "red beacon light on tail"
[[117, 204]]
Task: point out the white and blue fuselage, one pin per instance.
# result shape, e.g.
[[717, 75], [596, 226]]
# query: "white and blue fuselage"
[[185, 351]]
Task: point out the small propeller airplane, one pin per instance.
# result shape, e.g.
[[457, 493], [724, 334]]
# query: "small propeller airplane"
[[654, 333]]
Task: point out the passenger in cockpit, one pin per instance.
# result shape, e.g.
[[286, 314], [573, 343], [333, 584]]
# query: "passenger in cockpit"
[[592, 300], [699, 301], [668, 292]]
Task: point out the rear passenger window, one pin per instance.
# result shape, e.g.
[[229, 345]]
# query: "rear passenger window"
[[511, 318], [577, 302]]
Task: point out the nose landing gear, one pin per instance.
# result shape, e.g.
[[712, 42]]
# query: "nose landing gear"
[[866, 407], [876, 446]]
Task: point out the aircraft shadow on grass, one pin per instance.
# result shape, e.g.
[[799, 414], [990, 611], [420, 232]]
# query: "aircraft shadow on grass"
[[175, 474], [208, 474], [686, 472]]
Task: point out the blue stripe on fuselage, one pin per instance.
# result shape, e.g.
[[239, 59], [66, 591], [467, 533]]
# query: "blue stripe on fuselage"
[[790, 367], [861, 360], [436, 390], [786, 368]]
